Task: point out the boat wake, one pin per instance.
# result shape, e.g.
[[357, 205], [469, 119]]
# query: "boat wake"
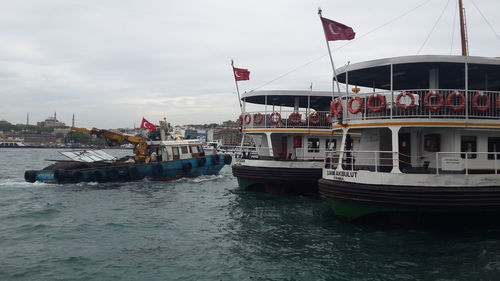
[[16, 182], [201, 179]]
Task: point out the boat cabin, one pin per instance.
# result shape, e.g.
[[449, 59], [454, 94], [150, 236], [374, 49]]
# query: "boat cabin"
[[288, 125], [174, 150], [421, 114]]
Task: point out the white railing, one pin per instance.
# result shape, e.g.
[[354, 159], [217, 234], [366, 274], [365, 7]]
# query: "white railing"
[[298, 154], [437, 163], [441, 103], [286, 119]]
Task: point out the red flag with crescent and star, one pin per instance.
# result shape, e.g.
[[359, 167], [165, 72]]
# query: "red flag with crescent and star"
[[337, 31], [145, 124], [241, 74]]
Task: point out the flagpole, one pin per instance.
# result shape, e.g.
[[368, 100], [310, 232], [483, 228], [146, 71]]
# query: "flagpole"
[[331, 59], [237, 88]]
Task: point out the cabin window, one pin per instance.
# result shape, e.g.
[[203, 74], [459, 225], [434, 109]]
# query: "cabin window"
[[469, 144], [494, 146], [175, 151], [184, 149], [194, 149], [331, 145], [432, 142], [313, 145], [200, 148]]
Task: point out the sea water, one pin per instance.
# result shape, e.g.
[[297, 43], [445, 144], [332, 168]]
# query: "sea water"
[[207, 229]]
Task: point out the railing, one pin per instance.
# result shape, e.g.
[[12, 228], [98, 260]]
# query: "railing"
[[436, 163], [441, 103], [424, 104], [286, 119], [264, 153]]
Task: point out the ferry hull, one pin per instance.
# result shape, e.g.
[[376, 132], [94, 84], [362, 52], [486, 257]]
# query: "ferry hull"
[[353, 201], [277, 180], [157, 171]]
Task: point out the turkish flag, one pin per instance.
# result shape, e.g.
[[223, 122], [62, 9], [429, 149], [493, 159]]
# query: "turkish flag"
[[241, 74], [337, 31], [145, 124]]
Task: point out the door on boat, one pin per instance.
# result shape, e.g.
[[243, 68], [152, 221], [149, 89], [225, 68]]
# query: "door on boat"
[[284, 144], [405, 151]]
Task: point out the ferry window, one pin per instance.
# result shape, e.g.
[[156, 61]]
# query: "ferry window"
[[432, 142], [194, 149], [494, 146], [184, 149], [469, 144], [175, 151], [200, 148], [331, 144], [313, 145]]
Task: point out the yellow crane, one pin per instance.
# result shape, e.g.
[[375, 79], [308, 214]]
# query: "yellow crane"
[[116, 139]]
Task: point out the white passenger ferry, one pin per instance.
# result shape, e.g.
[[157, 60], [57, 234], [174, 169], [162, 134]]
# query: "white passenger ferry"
[[429, 143], [291, 131]]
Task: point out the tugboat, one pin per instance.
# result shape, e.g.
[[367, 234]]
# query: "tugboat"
[[430, 139], [157, 160], [291, 131]]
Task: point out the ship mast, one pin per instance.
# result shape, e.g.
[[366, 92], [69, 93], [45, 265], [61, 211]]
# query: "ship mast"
[[463, 29]]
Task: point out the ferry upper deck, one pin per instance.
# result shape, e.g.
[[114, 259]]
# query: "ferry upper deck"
[[429, 90]]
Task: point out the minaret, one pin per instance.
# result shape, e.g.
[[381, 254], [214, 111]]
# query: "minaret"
[[73, 121], [27, 119]]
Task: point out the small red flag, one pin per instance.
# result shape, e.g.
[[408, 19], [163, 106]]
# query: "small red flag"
[[145, 124], [241, 74], [337, 31]]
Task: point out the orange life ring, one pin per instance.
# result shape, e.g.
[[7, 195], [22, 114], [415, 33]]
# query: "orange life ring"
[[258, 118], [374, 108], [451, 98], [357, 109], [294, 118], [405, 106], [427, 100], [336, 107], [247, 119], [240, 119], [475, 102], [314, 118], [274, 120]]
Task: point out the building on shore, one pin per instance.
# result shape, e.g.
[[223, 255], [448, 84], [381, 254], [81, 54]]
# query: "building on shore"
[[51, 122]]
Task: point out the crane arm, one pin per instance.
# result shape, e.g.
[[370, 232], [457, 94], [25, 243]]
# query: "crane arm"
[[116, 139]]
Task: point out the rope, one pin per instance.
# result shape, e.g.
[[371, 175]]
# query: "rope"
[[485, 19], [349, 42], [433, 27]]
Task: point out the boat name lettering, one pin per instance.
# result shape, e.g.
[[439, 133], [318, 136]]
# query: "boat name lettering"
[[349, 174]]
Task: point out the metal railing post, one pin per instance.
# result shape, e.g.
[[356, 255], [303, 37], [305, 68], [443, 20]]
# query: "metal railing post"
[[466, 163], [437, 165]]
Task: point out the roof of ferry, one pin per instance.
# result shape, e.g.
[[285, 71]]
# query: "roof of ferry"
[[319, 99], [412, 72]]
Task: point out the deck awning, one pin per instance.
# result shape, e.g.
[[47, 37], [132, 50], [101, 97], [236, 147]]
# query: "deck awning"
[[318, 100], [413, 72]]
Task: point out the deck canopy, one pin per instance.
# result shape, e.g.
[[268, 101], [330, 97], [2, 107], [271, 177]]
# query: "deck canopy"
[[424, 72], [317, 100]]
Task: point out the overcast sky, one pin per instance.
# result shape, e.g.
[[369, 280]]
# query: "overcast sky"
[[113, 62]]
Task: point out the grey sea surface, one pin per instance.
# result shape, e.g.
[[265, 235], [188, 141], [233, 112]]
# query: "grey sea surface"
[[207, 229]]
